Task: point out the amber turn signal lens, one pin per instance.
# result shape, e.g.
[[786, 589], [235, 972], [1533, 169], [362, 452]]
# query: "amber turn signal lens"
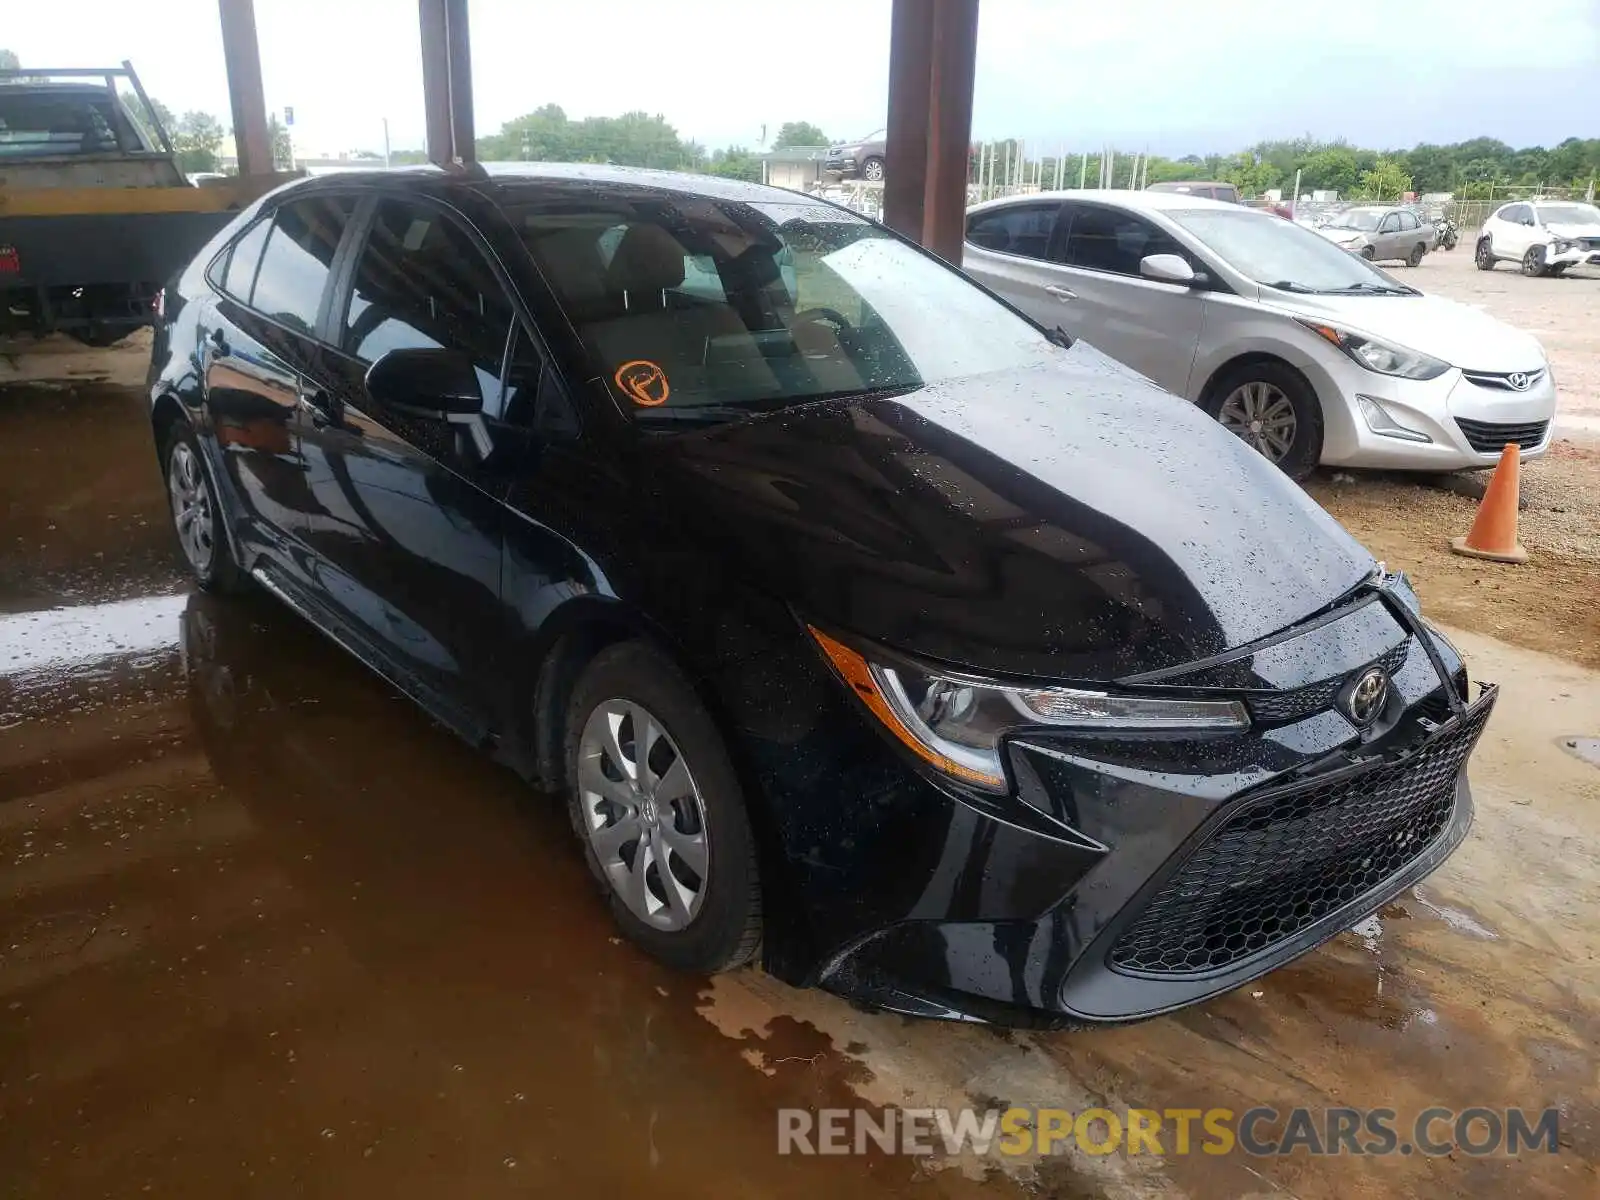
[[857, 675]]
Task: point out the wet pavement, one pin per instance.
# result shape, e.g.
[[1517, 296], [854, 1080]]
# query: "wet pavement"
[[267, 931]]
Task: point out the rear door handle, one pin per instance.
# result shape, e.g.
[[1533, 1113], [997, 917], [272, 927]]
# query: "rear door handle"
[[1059, 292]]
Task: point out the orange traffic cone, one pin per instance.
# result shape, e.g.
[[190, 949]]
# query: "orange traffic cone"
[[1494, 529]]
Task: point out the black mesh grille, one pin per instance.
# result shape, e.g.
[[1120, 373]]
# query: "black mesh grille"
[[1486, 437], [1302, 702], [1283, 863]]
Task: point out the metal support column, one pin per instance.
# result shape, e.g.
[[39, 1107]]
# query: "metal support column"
[[447, 81], [240, 51], [932, 60]]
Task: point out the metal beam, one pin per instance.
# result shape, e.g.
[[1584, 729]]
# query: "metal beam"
[[932, 62], [447, 81], [242, 54]]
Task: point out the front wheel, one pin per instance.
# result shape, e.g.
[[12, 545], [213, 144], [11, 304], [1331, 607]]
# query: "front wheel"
[[1415, 257], [1272, 409], [1533, 262], [654, 799], [1368, 253], [872, 169], [1485, 255]]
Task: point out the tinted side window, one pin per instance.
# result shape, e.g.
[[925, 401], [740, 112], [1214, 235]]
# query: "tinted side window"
[[294, 267], [1020, 229], [240, 277], [1407, 221], [423, 283], [1103, 239]]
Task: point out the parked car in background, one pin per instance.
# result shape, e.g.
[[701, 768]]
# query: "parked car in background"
[[1382, 234], [1545, 236], [860, 159], [1209, 189], [866, 624], [1306, 352]]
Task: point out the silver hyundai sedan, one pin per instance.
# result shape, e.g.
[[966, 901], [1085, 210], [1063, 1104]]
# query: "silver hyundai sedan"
[[1310, 354]]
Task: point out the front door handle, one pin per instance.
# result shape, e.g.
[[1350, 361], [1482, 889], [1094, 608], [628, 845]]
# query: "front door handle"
[[219, 340], [1059, 292], [315, 405]]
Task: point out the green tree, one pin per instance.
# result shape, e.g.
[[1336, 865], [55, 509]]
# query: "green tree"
[[1387, 180], [145, 117], [282, 148], [1332, 168], [197, 138], [799, 133], [736, 162]]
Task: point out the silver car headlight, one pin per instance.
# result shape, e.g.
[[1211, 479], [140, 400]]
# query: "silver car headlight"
[[956, 722], [1562, 246], [1385, 358]]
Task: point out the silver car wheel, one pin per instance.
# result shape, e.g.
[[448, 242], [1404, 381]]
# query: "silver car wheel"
[[643, 814], [873, 170], [1263, 416], [191, 508]]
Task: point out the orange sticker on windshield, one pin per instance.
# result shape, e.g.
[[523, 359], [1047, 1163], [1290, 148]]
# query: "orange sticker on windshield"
[[644, 381]]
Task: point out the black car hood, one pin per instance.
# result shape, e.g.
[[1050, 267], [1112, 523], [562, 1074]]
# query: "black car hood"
[[1069, 521]]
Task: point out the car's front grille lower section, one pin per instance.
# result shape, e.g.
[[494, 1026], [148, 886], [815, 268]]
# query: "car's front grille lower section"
[[1272, 707], [1283, 863], [1487, 437]]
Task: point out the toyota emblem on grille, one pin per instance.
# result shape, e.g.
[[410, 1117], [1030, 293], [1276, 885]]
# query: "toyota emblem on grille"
[[1364, 699], [1519, 381]]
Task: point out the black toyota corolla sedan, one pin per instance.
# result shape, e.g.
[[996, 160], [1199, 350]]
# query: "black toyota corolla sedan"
[[859, 622]]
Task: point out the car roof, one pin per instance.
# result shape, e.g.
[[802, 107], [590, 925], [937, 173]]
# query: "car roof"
[[510, 182], [1139, 201]]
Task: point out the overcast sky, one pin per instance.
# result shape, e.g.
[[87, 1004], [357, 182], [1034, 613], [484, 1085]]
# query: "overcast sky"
[[1180, 76]]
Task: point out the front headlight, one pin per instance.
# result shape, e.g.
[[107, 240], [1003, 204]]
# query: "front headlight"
[[1563, 246], [956, 722], [1382, 357]]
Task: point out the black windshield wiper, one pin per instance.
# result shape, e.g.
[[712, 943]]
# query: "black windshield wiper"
[[1289, 285], [1373, 289]]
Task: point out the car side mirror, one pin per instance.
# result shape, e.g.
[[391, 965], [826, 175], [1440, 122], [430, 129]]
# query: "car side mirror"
[[433, 385], [1170, 268]]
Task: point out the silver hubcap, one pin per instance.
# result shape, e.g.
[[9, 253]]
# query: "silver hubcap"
[[643, 814], [1263, 416], [874, 170], [191, 508]]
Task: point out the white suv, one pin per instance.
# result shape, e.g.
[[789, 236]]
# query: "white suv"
[[1306, 352], [1545, 236]]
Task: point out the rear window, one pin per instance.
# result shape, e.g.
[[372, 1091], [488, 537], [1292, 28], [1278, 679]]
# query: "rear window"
[[240, 278], [699, 308], [294, 267], [33, 123]]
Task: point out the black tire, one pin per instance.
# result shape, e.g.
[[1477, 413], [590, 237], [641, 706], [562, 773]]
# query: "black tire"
[[726, 930], [1368, 253], [872, 169], [1483, 256], [1305, 450], [1415, 258], [1533, 263], [1557, 270], [220, 571]]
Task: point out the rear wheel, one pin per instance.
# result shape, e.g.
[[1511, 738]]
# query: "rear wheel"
[[1558, 269], [656, 803], [1415, 258], [1272, 409], [197, 515], [1533, 262], [872, 169], [1485, 255], [1368, 253]]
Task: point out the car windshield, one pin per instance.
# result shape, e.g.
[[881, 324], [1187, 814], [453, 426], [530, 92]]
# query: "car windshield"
[[698, 308], [1569, 214], [1281, 254], [50, 123], [1364, 219]]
